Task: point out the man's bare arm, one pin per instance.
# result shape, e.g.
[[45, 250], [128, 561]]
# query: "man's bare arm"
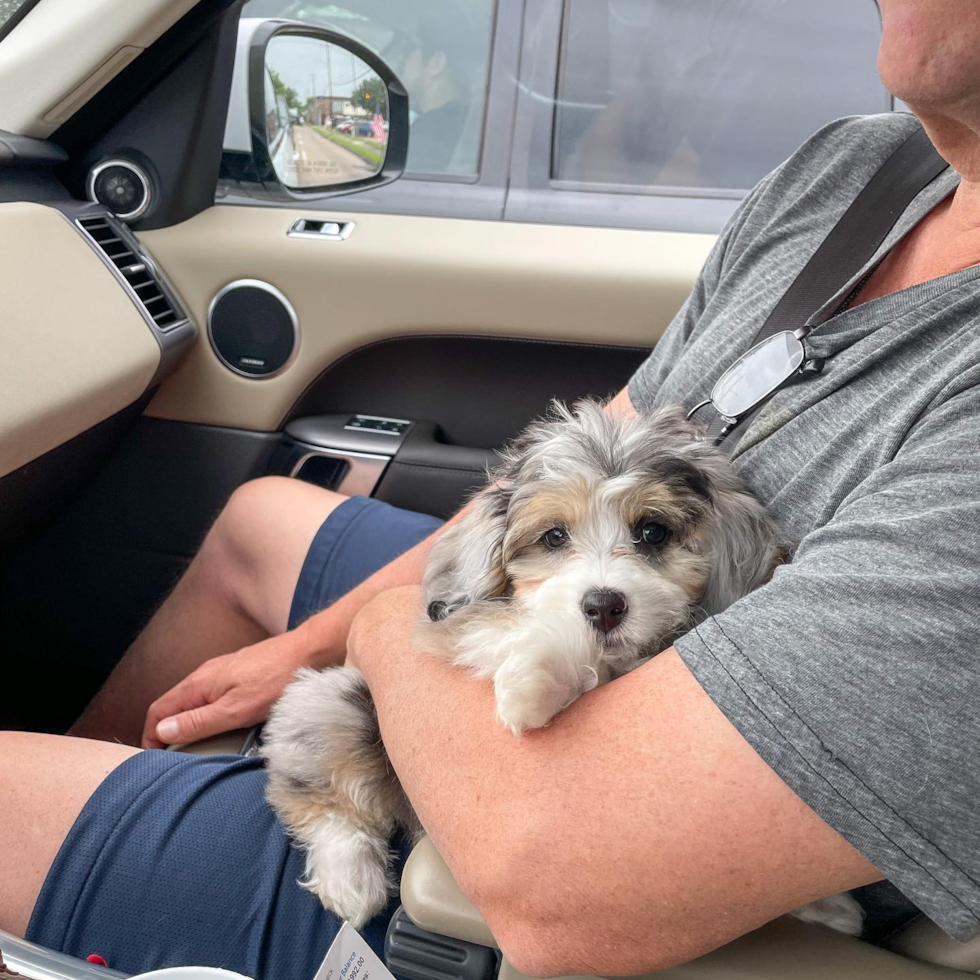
[[639, 830]]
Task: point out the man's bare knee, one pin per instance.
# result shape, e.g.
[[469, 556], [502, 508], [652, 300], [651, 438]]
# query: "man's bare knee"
[[255, 549]]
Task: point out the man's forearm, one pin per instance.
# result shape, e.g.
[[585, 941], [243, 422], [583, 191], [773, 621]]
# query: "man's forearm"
[[636, 831]]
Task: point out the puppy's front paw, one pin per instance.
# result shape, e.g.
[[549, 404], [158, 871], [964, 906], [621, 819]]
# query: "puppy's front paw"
[[529, 698], [520, 713], [842, 913], [347, 869]]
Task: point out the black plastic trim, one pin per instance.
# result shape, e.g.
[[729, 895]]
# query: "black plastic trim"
[[480, 390], [165, 112], [425, 446], [331, 432], [35, 493], [174, 339], [431, 476], [436, 490], [74, 597], [37, 184], [25, 151], [424, 474], [417, 954]]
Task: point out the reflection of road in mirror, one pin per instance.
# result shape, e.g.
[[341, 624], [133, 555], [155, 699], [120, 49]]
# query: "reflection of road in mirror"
[[326, 114], [315, 156]]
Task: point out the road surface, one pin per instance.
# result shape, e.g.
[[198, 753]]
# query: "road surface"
[[317, 161]]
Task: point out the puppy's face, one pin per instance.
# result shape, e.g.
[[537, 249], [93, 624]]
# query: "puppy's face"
[[624, 532], [620, 556]]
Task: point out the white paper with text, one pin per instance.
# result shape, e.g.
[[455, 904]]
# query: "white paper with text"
[[350, 958]]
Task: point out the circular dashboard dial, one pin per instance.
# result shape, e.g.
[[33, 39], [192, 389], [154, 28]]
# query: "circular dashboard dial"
[[120, 186]]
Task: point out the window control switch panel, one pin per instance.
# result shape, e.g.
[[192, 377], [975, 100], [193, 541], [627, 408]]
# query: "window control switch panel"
[[374, 423]]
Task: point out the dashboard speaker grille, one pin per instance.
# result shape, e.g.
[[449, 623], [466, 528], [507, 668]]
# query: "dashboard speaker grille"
[[122, 187], [123, 253], [253, 328]]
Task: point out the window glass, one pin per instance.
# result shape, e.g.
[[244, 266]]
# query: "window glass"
[[440, 50], [10, 7], [709, 94]]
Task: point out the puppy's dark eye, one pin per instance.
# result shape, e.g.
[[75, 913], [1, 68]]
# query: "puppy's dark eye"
[[653, 534], [555, 538]]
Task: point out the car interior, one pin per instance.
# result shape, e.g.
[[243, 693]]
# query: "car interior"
[[212, 273]]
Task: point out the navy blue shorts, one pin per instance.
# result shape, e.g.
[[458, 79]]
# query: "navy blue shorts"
[[178, 860]]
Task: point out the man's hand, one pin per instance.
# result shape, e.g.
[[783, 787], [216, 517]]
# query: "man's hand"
[[225, 693]]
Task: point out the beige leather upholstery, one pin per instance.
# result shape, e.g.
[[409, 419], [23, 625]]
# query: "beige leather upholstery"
[[924, 940], [75, 348], [434, 901], [786, 949]]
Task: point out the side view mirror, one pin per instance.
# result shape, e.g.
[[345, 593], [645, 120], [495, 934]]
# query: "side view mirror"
[[325, 115]]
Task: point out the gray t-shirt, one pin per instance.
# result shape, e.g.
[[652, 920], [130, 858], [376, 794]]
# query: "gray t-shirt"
[[855, 672]]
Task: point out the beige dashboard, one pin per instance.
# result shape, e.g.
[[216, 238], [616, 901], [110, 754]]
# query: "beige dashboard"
[[75, 348]]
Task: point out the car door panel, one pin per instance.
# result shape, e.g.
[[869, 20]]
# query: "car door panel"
[[400, 276], [480, 390], [466, 327]]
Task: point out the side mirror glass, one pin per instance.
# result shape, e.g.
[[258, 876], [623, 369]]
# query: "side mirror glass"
[[326, 113], [313, 111]]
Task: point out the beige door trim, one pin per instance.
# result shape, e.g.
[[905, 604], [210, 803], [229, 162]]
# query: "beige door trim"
[[396, 276]]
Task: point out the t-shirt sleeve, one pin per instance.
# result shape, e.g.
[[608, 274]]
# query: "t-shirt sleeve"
[[854, 672]]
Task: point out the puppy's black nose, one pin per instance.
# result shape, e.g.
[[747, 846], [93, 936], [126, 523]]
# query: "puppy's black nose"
[[603, 609]]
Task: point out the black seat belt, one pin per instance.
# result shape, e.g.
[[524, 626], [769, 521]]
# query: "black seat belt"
[[847, 248]]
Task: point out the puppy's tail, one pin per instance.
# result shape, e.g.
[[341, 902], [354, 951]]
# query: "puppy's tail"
[[331, 785], [348, 867]]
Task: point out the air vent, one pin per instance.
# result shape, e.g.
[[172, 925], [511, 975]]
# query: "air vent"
[[121, 250]]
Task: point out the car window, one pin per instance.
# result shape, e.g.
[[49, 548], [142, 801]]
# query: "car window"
[[440, 50], [11, 11], [705, 94]]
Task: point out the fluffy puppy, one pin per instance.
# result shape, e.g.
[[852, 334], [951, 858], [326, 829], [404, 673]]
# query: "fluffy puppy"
[[597, 543]]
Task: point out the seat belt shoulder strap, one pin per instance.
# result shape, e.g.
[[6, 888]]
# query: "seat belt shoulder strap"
[[849, 245]]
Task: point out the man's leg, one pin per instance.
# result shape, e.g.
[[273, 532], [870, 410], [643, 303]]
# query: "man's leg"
[[46, 781], [237, 591]]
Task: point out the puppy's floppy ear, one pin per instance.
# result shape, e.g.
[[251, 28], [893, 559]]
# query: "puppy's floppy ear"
[[466, 564], [742, 540], [466, 561], [745, 541]]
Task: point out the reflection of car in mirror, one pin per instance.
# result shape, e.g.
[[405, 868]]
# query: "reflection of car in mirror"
[[276, 115]]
